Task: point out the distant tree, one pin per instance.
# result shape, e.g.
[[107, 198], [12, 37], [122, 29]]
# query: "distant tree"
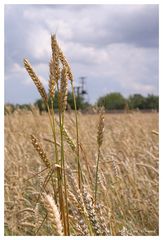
[[80, 102], [23, 106], [41, 105], [152, 102], [112, 101], [136, 101]]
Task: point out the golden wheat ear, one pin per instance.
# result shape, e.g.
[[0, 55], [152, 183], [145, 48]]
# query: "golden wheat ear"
[[63, 90], [40, 151], [54, 66], [35, 79], [57, 51], [52, 80], [100, 129], [53, 214]]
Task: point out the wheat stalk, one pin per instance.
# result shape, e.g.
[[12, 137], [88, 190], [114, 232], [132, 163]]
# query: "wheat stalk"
[[100, 131], [68, 139]]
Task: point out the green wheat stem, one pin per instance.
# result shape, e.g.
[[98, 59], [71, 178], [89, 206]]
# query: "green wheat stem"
[[59, 175], [64, 175], [77, 138], [63, 181], [54, 130]]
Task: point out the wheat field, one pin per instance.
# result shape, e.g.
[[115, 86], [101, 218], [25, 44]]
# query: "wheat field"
[[72, 174], [127, 194]]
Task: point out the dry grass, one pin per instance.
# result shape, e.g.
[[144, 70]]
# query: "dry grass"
[[127, 195]]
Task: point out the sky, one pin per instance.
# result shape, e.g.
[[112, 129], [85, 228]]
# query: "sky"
[[114, 46]]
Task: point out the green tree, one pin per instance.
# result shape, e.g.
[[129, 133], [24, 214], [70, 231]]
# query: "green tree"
[[136, 101], [41, 105], [152, 102], [112, 101], [80, 102]]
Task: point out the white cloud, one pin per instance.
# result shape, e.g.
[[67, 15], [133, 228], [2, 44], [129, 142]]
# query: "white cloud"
[[16, 68], [38, 42]]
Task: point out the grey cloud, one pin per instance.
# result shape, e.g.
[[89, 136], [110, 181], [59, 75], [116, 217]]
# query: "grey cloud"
[[140, 29], [113, 24], [110, 44]]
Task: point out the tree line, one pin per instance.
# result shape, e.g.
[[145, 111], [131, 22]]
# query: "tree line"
[[110, 101], [116, 101]]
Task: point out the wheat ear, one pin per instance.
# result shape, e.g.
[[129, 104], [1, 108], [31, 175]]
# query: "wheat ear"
[[56, 49], [65, 63], [40, 151], [102, 221], [63, 90], [52, 79], [54, 66], [91, 212], [100, 130], [53, 214], [36, 80], [69, 140]]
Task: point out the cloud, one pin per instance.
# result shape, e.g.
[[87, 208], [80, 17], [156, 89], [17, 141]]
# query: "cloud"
[[115, 46], [102, 24]]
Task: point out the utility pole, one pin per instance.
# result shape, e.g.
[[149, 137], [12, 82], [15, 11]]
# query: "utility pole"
[[80, 90], [82, 80]]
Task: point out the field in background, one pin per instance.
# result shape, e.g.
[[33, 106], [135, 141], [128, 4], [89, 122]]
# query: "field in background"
[[128, 172]]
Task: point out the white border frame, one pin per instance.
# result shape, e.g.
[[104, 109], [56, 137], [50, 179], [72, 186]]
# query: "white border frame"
[[2, 3]]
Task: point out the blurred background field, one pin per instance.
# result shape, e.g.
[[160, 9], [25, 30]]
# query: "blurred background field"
[[128, 170]]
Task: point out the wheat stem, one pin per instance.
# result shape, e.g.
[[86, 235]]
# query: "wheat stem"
[[77, 138]]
